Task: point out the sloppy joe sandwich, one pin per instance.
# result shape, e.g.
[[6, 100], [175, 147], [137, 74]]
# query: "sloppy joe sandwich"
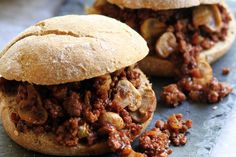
[[70, 86], [172, 27]]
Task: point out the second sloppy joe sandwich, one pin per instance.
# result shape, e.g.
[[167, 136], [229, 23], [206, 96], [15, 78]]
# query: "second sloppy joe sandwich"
[[184, 37], [172, 28], [70, 86]]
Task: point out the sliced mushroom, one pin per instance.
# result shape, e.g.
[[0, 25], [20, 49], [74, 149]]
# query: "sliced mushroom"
[[152, 27], [166, 45], [148, 101], [206, 72], [140, 118], [127, 95], [31, 109], [113, 119], [83, 130], [208, 16], [146, 108]]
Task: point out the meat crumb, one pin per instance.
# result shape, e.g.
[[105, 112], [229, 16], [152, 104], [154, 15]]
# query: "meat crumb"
[[118, 141], [73, 105], [225, 71], [215, 91], [66, 134], [156, 141], [211, 92], [172, 96]]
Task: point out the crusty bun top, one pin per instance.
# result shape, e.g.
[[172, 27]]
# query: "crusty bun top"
[[161, 4], [71, 48]]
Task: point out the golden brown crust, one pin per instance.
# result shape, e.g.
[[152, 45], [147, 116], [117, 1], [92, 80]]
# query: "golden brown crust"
[[71, 48], [44, 143], [160, 4], [154, 66]]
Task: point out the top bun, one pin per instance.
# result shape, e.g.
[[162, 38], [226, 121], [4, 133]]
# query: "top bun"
[[71, 48], [161, 4]]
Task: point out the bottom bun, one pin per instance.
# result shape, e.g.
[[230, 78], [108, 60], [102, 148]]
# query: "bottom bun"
[[45, 143], [151, 65]]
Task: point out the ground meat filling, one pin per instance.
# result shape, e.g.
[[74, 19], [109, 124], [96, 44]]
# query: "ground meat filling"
[[83, 112], [179, 36]]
